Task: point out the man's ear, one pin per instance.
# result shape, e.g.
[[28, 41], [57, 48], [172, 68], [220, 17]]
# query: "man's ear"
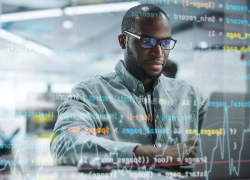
[[122, 41]]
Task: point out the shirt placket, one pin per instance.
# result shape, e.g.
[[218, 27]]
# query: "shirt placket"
[[147, 103], [150, 111]]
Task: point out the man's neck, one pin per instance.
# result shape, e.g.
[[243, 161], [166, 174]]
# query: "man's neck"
[[147, 83]]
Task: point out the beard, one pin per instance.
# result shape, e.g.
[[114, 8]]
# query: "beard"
[[134, 68]]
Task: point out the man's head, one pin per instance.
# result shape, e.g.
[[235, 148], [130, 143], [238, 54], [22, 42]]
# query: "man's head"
[[145, 19]]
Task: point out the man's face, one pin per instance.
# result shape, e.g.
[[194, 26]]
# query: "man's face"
[[147, 63]]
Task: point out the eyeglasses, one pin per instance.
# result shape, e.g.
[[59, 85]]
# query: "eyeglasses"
[[149, 42]]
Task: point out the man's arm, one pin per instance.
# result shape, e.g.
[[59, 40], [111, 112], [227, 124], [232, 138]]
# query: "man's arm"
[[202, 109], [70, 141], [186, 149], [182, 150]]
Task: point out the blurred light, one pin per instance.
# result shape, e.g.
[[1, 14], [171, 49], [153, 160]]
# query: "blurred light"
[[23, 88], [61, 87], [11, 37], [39, 48], [8, 36], [203, 45], [67, 24], [7, 95], [88, 9], [31, 15], [92, 9]]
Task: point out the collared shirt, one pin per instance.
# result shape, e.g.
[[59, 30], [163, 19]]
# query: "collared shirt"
[[112, 114]]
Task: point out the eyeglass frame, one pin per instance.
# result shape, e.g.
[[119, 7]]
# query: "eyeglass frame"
[[158, 41]]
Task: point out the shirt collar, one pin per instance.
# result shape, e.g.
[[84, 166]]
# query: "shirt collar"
[[130, 81]]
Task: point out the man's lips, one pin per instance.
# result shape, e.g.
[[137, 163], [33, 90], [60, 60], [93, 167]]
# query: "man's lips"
[[156, 65]]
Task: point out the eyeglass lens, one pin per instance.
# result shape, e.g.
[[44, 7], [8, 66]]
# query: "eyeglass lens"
[[147, 42]]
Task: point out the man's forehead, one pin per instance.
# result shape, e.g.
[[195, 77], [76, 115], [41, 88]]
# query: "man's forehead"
[[153, 26]]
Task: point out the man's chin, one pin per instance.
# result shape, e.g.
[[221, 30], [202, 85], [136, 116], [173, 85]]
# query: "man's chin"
[[152, 75]]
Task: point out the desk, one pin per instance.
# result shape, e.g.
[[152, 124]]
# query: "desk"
[[36, 164], [71, 172]]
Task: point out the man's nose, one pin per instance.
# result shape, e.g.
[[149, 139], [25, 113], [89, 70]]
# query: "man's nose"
[[157, 50]]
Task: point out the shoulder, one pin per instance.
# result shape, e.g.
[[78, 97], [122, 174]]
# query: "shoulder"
[[178, 85], [182, 88], [85, 90], [96, 80]]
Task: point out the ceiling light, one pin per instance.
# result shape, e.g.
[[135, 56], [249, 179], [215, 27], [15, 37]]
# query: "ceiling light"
[[92, 9], [31, 15], [8, 36], [88, 9], [11, 37], [67, 24]]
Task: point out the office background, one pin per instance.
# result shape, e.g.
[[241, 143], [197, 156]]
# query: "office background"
[[48, 46]]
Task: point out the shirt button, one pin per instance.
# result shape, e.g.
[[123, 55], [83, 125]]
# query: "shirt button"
[[159, 144], [134, 89], [140, 85]]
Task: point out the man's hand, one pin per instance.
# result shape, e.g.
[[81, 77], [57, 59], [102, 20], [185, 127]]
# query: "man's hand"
[[178, 152]]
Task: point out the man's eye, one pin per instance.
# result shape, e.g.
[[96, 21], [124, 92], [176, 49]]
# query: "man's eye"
[[145, 41], [165, 42]]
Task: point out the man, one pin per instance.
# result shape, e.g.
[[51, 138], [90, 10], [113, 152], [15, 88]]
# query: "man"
[[170, 69], [135, 110]]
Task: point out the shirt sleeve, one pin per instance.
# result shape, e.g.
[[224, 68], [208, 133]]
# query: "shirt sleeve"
[[74, 135], [202, 109]]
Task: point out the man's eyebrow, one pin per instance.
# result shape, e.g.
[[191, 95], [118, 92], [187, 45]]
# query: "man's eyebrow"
[[170, 37]]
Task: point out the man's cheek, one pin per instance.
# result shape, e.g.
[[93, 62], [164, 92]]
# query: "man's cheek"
[[166, 55]]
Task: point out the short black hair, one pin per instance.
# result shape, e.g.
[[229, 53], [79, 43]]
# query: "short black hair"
[[129, 17]]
